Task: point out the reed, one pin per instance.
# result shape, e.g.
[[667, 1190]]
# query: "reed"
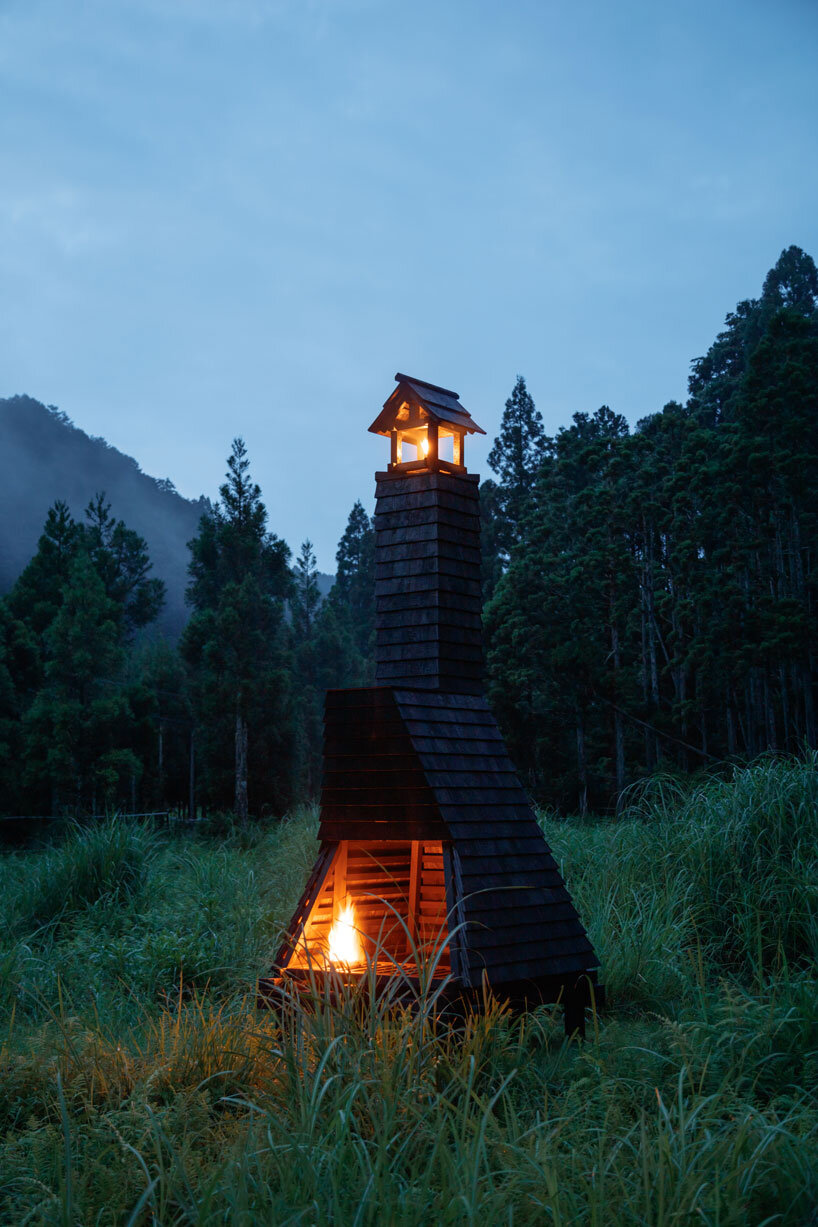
[[139, 1085]]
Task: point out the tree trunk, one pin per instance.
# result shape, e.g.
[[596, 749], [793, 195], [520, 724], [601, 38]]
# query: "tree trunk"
[[785, 705], [161, 771], [731, 728], [650, 761], [192, 777], [809, 711], [582, 768], [241, 767], [769, 715], [619, 726]]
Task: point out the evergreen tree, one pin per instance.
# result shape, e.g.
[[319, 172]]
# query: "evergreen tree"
[[516, 456], [792, 282], [159, 698], [120, 557], [78, 729], [307, 698], [325, 653], [491, 534], [306, 596], [717, 377], [73, 724], [235, 647], [354, 587], [556, 625], [8, 715], [37, 595], [659, 607]]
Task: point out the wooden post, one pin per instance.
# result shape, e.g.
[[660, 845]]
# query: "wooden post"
[[241, 766], [393, 438], [339, 879], [414, 889], [192, 777], [432, 437], [457, 447]]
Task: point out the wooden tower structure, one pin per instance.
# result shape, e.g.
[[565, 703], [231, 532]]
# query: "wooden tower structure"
[[428, 841]]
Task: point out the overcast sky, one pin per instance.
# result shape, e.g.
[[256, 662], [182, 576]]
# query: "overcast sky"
[[224, 217]]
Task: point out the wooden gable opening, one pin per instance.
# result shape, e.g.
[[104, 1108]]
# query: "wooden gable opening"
[[426, 426], [396, 893]]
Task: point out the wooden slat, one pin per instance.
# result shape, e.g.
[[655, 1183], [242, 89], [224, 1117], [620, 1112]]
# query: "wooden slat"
[[428, 541], [442, 702], [357, 828], [505, 968], [425, 500], [464, 484], [393, 613], [433, 530], [430, 649], [434, 568], [418, 517], [433, 632], [435, 582]]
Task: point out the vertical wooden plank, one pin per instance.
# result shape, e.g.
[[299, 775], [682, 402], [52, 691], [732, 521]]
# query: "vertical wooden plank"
[[302, 914], [432, 436], [394, 442], [454, 912], [339, 884], [414, 888], [457, 454]]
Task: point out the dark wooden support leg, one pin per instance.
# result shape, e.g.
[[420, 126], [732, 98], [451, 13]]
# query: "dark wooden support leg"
[[575, 1014]]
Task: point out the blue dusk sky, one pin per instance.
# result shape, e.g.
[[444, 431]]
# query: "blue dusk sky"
[[224, 217]]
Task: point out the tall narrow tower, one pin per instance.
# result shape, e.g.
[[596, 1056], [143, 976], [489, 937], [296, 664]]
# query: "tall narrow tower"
[[429, 844], [427, 544]]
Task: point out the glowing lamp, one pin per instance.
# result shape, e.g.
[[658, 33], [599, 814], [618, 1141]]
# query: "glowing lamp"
[[426, 426]]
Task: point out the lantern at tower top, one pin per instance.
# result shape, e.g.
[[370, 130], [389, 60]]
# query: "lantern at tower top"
[[427, 427]]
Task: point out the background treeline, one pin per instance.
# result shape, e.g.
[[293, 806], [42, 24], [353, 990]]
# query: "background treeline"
[[96, 713], [652, 593], [650, 603]]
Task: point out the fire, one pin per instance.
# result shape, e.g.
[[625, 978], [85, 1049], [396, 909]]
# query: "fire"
[[344, 942], [424, 446]]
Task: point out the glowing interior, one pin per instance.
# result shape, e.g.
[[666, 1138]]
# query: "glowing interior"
[[413, 445], [344, 942], [380, 902]]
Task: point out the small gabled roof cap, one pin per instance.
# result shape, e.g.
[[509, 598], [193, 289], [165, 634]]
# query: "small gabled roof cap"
[[439, 403]]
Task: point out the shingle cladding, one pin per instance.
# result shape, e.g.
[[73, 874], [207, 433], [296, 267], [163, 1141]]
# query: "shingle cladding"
[[419, 756], [440, 403], [433, 765], [427, 582]]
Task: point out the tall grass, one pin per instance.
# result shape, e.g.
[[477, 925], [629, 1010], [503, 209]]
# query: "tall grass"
[[105, 861], [137, 1083]]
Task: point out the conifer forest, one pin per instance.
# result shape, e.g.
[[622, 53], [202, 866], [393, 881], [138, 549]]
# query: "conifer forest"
[[649, 606]]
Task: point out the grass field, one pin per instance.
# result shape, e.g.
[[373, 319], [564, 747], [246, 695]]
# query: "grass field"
[[137, 1084]]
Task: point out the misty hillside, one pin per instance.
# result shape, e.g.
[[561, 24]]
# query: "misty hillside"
[[44, 456]]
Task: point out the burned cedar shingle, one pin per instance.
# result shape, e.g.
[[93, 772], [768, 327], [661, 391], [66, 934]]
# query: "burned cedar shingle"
[[424, 822]]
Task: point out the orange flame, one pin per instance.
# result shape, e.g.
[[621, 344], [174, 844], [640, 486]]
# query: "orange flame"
[[344, 942], [424, 446]]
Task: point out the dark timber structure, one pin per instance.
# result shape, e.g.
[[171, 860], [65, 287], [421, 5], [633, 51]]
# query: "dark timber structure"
[[425, 828]]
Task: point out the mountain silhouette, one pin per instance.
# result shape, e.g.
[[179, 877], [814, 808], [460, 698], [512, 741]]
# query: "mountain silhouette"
[[45, 457]]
